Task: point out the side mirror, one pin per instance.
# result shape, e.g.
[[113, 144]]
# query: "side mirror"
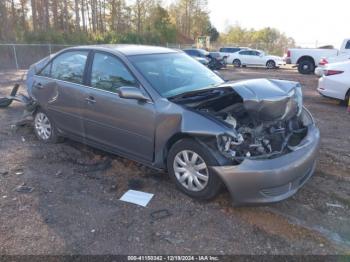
[[130, 92]]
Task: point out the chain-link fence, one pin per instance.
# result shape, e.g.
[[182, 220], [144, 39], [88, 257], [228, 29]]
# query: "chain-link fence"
[[21, 56]]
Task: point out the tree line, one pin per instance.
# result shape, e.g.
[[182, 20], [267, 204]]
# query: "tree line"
[[111, 21], [125, 21], [268, 39]]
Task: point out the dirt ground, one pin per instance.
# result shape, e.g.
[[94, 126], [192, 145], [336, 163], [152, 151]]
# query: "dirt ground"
[[73, 207]]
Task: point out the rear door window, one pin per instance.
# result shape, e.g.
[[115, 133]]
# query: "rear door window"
[[68, 66], [109, 73]]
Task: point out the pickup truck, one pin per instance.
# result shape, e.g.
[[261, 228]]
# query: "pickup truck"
[[307, 59]]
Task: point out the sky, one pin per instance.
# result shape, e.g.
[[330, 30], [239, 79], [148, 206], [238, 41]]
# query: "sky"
[[309, 22]]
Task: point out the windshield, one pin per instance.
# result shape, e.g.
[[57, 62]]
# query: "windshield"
[[175, 73]]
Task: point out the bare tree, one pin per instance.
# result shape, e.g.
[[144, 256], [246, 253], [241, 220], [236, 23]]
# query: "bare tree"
[[83, 14], [77, 16], [47, 14], [23, 4], [54, 8], [34, 15], [65, 15]]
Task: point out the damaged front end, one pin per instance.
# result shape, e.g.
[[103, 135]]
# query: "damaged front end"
[[266, 116]]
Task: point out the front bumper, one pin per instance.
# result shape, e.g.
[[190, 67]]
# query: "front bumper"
[[272, 180]]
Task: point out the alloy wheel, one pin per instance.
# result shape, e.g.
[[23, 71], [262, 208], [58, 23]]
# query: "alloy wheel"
[[270, 65]]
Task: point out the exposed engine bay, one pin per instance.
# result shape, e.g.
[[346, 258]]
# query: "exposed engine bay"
[[265, 118], [256, 138]]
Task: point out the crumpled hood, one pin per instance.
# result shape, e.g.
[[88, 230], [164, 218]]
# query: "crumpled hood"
[[269, 100]]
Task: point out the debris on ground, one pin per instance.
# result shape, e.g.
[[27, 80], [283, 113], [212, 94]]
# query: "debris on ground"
[[113, 188], [25, 121], [334, 205], [59, 173], [19, 172], [160, 214], [137, 197], [4, 173], [174, 241], [24, 189]]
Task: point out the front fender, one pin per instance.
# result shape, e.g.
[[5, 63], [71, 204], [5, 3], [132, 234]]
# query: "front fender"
[[176, 122]]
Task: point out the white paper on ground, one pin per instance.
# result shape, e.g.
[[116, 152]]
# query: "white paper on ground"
[[137, 197]]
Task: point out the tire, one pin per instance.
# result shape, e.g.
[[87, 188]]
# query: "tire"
[[346, 101], [45, 129], [306, 67], [210, 183], [270, 64], [236, 63]]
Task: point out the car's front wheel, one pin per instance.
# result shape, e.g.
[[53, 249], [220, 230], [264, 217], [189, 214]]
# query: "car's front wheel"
[[270, 64], [188, 165], [44, 128], [237, 63]]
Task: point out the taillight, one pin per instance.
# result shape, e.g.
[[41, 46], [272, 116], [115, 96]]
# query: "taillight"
[[323, 61], [332, 72], [288, 53]]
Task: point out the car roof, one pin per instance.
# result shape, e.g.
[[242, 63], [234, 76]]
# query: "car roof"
[[193, 49], [129, 50]]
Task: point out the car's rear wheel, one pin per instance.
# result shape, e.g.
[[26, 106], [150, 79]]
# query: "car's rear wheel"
[[306, 67], [346, 101], [270, 64], [237, 63], [44, 128], [188, 165]]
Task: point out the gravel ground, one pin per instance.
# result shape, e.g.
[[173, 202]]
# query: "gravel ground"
[[73, 206]]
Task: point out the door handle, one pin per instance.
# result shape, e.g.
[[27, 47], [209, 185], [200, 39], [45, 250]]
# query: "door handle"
[[90, 100], [38, 86]]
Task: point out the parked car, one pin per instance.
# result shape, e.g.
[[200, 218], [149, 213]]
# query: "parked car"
[[160, 107], [226, 51], [335, 81], [255, 58], [333, 59], [308, 58], [199, 54]]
